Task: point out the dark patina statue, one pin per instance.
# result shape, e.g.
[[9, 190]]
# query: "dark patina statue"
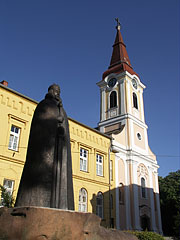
[[47, 176]]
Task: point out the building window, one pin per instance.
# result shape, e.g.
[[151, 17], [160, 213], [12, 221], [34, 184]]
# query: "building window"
[[83, 159], [155, 205], [113, 99], [121, 193], [99, 205], [99, 165], [82, 200], [9, 186], [14, 138], [143, 188], [111, 170], [135, 102], [111, 201]]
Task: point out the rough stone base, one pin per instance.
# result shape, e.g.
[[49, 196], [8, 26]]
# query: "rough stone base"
[[35, 223]]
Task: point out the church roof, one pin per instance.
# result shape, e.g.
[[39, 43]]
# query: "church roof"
[[120, 61]]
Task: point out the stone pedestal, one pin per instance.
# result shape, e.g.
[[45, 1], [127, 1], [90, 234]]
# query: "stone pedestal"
[[36, 223]]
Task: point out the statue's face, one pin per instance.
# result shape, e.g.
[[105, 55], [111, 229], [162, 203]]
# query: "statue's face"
[[55, 91]]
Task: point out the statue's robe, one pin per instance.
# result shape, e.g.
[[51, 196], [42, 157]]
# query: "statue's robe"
[[47, 176]]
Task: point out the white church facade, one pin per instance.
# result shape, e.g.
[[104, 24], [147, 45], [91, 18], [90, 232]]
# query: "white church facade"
[[122, 118]]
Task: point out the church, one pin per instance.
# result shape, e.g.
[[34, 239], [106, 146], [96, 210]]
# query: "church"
[[115, 173], [122, 118]]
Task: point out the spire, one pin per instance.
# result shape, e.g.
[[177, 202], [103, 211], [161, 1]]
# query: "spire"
[[120, 60]]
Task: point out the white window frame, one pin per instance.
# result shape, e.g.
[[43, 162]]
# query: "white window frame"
[[14, 138], [82, 200], [100, 205], [83, 159], [99, 165]]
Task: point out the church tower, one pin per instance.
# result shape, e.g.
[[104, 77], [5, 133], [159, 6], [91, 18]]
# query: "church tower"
[[122, 117]]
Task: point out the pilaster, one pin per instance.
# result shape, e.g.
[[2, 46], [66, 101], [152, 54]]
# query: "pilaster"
[[158, 203], [135, 211], [151, 192]]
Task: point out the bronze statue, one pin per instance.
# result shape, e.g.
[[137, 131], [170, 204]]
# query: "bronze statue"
[[47, 176]]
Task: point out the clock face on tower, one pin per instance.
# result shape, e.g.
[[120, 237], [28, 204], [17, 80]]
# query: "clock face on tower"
[[112, 82], [134, 83]]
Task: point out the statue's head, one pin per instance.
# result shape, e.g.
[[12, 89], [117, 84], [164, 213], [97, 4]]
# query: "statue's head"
[[54, 90]]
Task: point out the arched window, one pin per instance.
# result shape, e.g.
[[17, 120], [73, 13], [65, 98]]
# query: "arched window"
[[121, 193], [135, 101], [113, 99], [82, 200], [99, 205], [143, 187], [111, 201]]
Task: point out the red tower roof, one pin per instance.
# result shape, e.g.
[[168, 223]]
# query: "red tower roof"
[[120, 60]]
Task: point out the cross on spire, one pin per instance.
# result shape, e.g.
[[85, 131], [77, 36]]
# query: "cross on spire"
[[118, 23]]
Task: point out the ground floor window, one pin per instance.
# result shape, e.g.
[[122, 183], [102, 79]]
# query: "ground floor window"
[[82, 200], [99, 205], [9, 186]]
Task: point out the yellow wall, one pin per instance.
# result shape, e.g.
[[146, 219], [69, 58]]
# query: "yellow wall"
[[18, 110], [96, 143]]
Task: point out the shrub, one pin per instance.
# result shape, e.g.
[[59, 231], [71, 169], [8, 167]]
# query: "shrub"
[[7, 200], [146, 235]]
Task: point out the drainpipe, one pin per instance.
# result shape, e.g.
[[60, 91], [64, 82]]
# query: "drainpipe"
[[109, 159]]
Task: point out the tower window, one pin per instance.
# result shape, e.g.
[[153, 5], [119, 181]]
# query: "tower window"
[[113, 99], [143, 188], [135, 102], [139, 136]]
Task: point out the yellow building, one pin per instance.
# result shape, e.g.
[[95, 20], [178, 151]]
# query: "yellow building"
[[16, 113], [92, 161]]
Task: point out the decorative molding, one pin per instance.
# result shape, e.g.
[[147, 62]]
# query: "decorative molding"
[[142, 171], [13, 160], [85, 134], [121, 118], [11, 116], [145, 210], [19, 105], [91, 180]]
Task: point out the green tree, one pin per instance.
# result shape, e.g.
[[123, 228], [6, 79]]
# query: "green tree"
[[169, 189], [7, 200]]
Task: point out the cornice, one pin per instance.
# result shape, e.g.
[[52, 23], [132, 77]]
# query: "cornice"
[[120, 118], [13, 160], [91, 180]]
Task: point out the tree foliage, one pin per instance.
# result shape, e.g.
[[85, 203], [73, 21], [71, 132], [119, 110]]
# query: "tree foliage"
[[7, 200], [169, 189], [145, 235]]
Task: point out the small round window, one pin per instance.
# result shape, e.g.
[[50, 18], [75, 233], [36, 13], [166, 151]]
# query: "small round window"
[[139, 136]]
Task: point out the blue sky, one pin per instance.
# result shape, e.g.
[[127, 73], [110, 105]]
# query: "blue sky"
[[70, 43]]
